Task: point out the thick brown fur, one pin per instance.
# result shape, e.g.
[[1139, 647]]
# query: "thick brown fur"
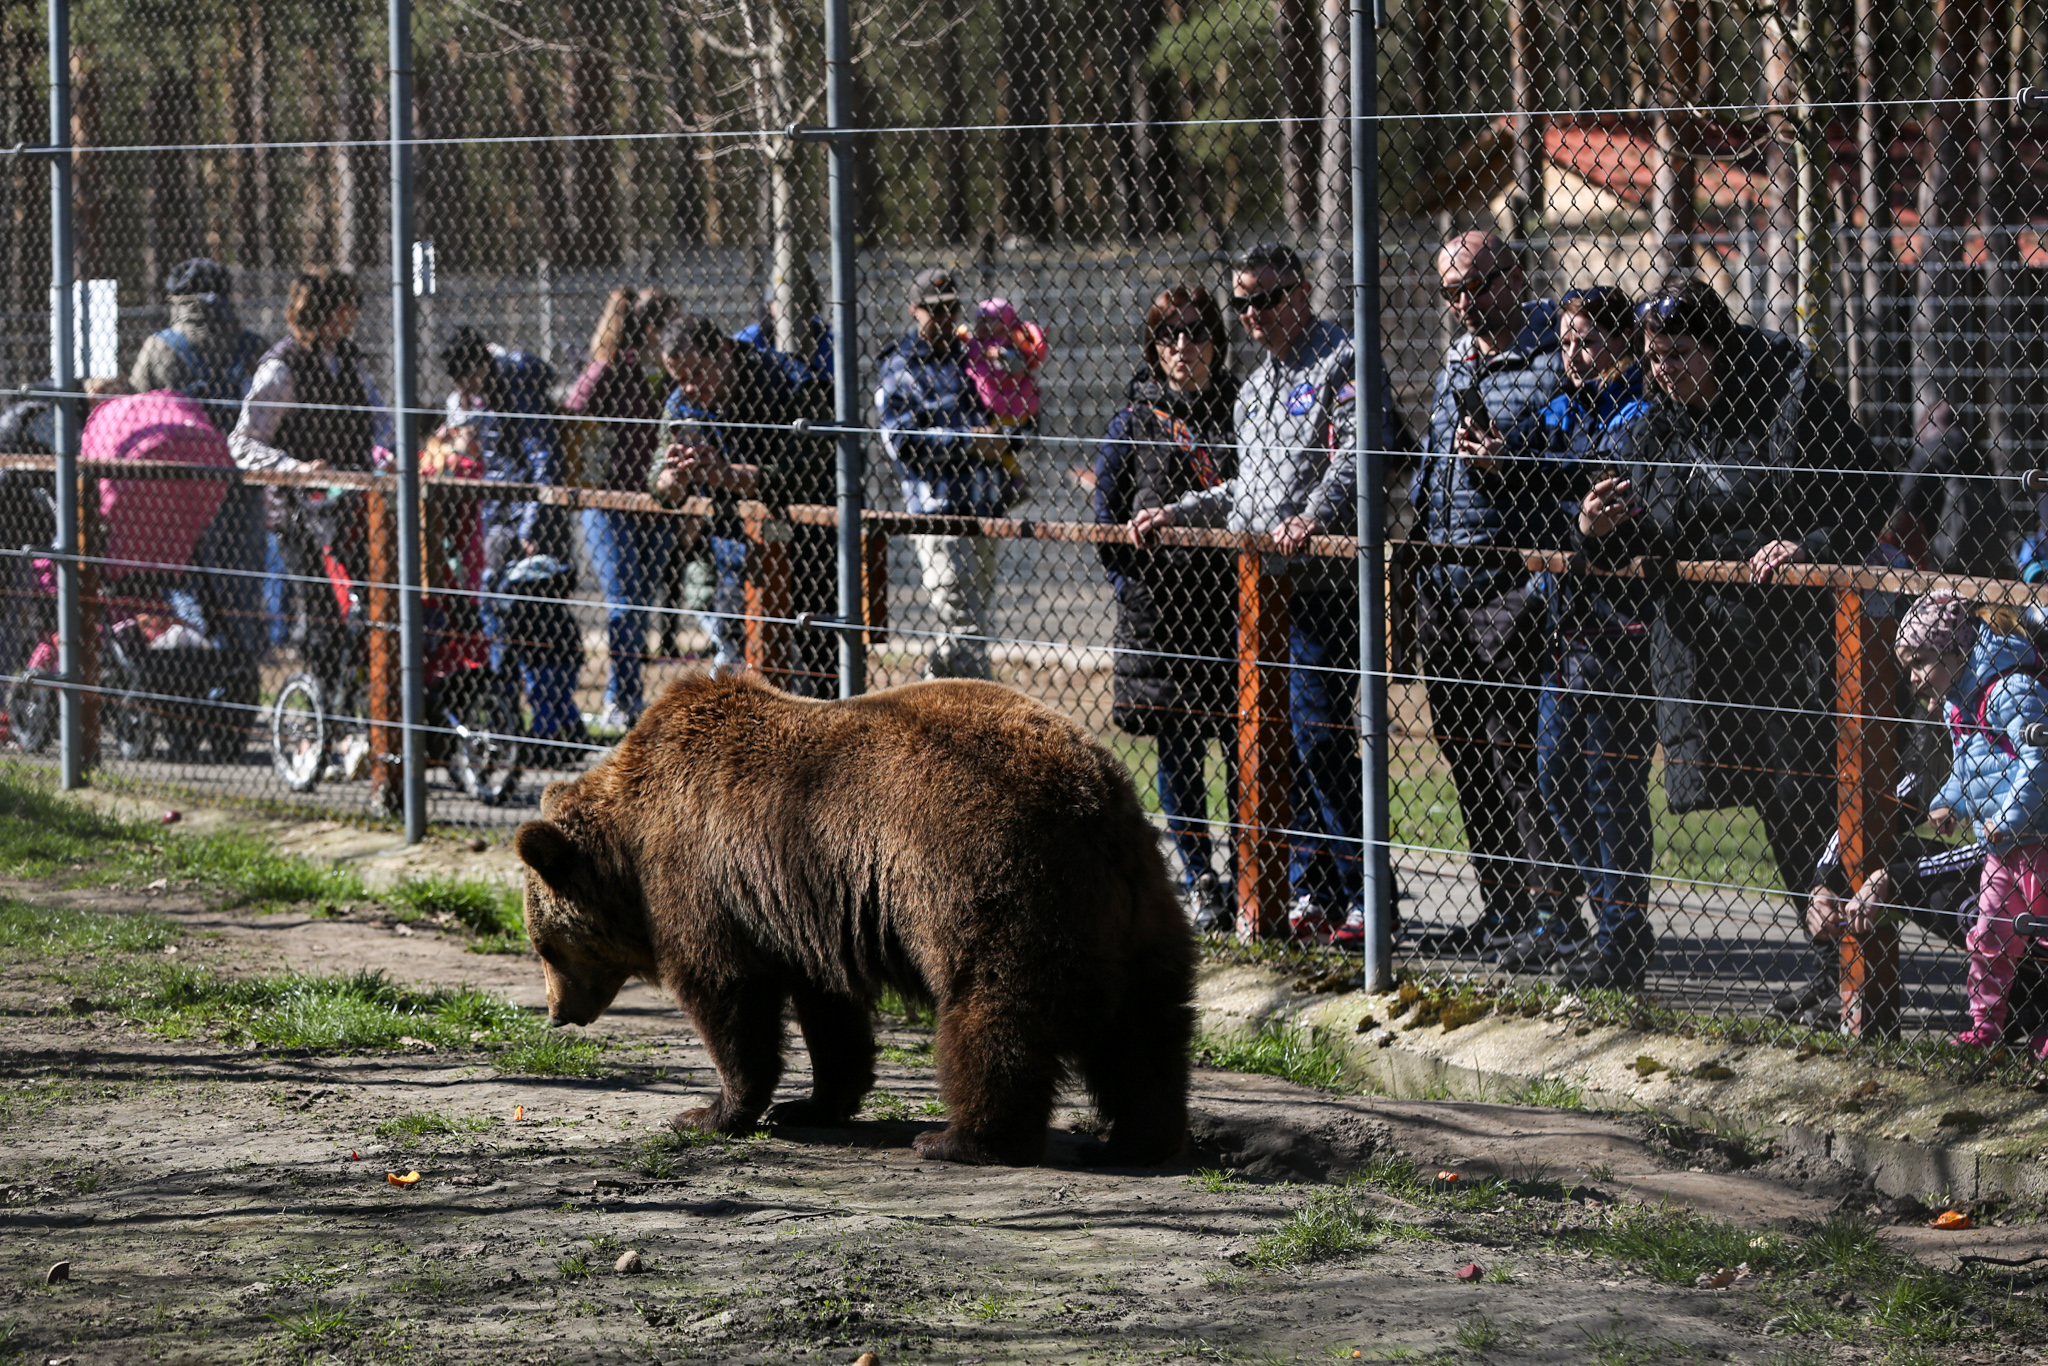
[[954, 840]]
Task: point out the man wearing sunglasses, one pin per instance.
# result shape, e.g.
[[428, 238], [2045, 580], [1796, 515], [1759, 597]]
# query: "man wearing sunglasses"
[[1296, 419], [1479, 629]]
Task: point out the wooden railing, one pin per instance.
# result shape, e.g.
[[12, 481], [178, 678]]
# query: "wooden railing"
[[1866, 680]]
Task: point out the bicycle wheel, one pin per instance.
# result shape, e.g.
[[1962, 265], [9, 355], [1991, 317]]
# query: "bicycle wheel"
[[32, 710], [298, 732]]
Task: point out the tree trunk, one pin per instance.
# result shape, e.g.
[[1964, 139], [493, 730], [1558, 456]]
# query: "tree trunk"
[[543, 165], [949, 167], [1132, 147], [1024, 202], [1675, 189], [1525, 44], [1333, 181], [1298, 52], [687, 196], [589, 187], [1781, 186], [2000, 245], [1872, 391], [1941, 359]]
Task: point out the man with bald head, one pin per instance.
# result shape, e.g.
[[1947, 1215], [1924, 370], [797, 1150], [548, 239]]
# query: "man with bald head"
[[1478, 630]]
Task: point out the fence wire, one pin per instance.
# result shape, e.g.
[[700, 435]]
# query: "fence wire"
[[1712, 367]]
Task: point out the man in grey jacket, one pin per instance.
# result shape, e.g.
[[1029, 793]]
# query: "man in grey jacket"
[[1479, 631], [1296, 419]]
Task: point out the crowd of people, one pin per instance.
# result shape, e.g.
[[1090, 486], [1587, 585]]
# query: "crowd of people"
[[1626, 433]]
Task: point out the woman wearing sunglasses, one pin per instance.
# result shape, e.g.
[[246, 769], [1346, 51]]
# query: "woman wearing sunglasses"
[[1743, 454], [1176, 608]]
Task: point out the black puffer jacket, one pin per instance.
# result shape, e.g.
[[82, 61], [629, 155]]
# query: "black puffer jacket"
[[1776, 457], [1172, 602]]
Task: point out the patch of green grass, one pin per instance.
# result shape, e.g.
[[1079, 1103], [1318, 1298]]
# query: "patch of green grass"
[[1215, 1182], [1922, 1308], [1278, 1048], [894, 1005], [1329, 1225], [1677, 1245], [554, 1054], [989, 1308], [315, 1325], [1847, 1244], [574, 1267], [343, 1013], [429, 1125], [44, 931], [1615, 1346], [1555, 1093], [660, 1156], [485, 908], [1479, 1333]]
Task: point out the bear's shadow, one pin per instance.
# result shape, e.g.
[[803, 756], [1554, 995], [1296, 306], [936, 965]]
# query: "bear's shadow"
[[1064, 1147]]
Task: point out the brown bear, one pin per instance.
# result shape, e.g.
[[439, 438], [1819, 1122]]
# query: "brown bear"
[[953, 840]]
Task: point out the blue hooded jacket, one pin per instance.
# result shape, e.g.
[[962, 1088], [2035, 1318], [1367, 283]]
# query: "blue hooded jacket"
[[1997, 781]]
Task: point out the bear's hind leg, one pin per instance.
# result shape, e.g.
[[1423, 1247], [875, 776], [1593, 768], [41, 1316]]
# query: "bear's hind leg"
[[996, 1076], [1136, 1068], [741, 1026], [840, 1034]]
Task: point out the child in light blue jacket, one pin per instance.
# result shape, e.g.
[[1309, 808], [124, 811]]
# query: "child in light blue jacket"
[[1988, 679]]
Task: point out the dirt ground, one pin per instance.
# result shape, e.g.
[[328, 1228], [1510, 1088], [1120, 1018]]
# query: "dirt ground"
[[223, 1204]]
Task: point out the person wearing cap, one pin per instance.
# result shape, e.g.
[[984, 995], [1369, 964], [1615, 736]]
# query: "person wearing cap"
[[1985, 676], [1296, 425], [1744, 454], [949, 459], [207, 354], [1479, 628]]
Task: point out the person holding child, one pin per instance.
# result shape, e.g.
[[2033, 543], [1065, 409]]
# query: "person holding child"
[[1986, 676]]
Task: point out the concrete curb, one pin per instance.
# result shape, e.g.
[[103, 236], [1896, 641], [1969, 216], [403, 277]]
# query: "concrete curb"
[[1875, 1120]]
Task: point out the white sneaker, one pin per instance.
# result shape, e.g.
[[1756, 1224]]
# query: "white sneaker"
[[355, 757]]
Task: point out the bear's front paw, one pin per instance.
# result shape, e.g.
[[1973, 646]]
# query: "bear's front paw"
[[950, 1145], [711, 1119], [807, 1113]]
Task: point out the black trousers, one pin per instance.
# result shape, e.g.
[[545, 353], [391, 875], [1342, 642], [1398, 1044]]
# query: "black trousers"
[[1483, 715]]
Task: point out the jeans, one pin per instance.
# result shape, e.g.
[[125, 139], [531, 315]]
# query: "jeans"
[[549, 683], [1329, 784], [276, 600], [1184, 794], [960, 575], [726, 622], [1593, 765], [628, 550]]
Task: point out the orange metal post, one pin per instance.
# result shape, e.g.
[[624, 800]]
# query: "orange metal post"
[[1866, 758], [875, 583], [387, 761], [1264, 759]]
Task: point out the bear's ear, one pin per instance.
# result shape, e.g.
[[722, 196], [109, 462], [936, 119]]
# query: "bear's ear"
[[547, 849]]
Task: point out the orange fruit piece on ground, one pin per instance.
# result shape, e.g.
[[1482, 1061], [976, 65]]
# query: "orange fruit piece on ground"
[[409, 1179]]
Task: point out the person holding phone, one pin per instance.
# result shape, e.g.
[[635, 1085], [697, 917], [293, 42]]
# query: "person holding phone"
[[1478, 629], [1744, 454]]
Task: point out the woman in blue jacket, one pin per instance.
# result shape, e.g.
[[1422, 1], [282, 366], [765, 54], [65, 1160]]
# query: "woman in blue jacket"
[[1593, 733]]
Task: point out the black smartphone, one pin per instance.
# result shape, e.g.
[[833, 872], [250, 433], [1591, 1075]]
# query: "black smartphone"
[[1472, 408]]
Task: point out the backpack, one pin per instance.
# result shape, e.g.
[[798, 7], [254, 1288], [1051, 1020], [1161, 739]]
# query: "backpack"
[[230, 385], [1958, 728]]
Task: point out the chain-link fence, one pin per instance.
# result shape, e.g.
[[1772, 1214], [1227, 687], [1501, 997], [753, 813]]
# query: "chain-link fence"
[[1708, 347]]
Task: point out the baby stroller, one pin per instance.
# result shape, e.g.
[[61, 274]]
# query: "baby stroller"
[[172, 685], [319, 726]]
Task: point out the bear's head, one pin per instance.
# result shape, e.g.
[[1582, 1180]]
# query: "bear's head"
[[591, 936]]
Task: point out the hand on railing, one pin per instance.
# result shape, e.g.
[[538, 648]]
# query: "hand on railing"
[[1765, 562], [1149, 521]]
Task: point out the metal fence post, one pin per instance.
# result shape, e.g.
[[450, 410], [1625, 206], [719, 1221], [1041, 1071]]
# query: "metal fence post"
[[1375, 754], [405, 428], [71, 703], [853, 658]]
